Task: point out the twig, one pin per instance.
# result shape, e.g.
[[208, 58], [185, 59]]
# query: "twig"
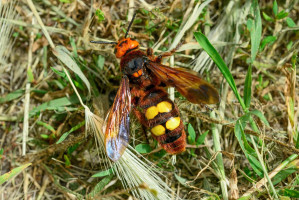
[[203, 169]]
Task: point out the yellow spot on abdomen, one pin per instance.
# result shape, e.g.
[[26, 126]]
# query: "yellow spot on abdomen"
[[173, 123], [161, 107], [164, 106], [158, 130], [151, 112]]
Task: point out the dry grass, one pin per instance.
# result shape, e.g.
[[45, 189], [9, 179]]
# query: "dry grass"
[[38, 105]]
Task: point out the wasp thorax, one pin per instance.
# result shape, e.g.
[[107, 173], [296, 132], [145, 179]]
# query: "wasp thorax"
[[124, 46], [135, 67]]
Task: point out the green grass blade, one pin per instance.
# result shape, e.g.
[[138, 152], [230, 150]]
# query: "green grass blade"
[[9, 175], [289, 193], [260, 115], [191, 134], [47, 126], [143, 148], [11, 96], [219, 159], [66, 58], [255, 29], [290, 168], [275, 8], [208, 47], [103, 173], [55, 104], [99, 187], [64, 136], [247, 87], [201, 138], [247, 149]]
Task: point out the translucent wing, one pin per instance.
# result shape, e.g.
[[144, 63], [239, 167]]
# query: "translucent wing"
[[118, 122], [195, 89]]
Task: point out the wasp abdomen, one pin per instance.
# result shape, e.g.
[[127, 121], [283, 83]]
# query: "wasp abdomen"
[[163, 119]]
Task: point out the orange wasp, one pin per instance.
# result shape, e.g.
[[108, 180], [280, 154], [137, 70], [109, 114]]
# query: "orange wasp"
[[142, 91]]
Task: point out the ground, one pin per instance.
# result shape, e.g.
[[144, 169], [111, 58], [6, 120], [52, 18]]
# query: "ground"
[[51, 141]]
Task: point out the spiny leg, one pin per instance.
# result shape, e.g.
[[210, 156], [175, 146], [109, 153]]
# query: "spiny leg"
[[167, 54], [141, 119]]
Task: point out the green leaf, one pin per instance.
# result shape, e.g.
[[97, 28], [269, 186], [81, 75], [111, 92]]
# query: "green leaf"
[[191, 133], [255, 30], [275, 8], [65, 1], [11, 96], [243, 121], [9, 175], [289, 193], [67, 161], [74, 47], [71, 149], [47, 126], [290, 22], [267, 17], [100, 15], [30, 76], [1, 153], [201, 138], [289, 45], [56, 104], [59, 73], [247, 87], [267, 40], [99, 187], [64, 136], [211, 51], [182, 180], [282, 14], [100, 62], [104, 173], [247, 149], [283, 174], [66, 58], [143, 148], [44, 136], [160, 154], [249, 24], [245, 198], [260, 115]]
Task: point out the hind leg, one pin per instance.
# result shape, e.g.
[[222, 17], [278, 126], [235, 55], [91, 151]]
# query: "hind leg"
[[141, 119]]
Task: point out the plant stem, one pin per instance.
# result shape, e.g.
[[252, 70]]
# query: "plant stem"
[[254, 127], [219, 160]]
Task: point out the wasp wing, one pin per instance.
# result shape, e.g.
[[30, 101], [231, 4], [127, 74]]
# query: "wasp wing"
[[118, 122], [195, 89]]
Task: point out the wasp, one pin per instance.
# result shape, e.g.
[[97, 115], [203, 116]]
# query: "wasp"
[[143, 91]]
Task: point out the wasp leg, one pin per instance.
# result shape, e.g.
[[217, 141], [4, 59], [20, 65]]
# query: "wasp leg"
[[149, 52], [145, 133], [139, 116], [167, 54], [141, 119]]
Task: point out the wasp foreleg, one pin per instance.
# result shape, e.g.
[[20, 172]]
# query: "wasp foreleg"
[[167, 54]]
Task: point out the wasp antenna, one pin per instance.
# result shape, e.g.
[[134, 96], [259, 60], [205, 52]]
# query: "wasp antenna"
[[131, 22], [102, 42]]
